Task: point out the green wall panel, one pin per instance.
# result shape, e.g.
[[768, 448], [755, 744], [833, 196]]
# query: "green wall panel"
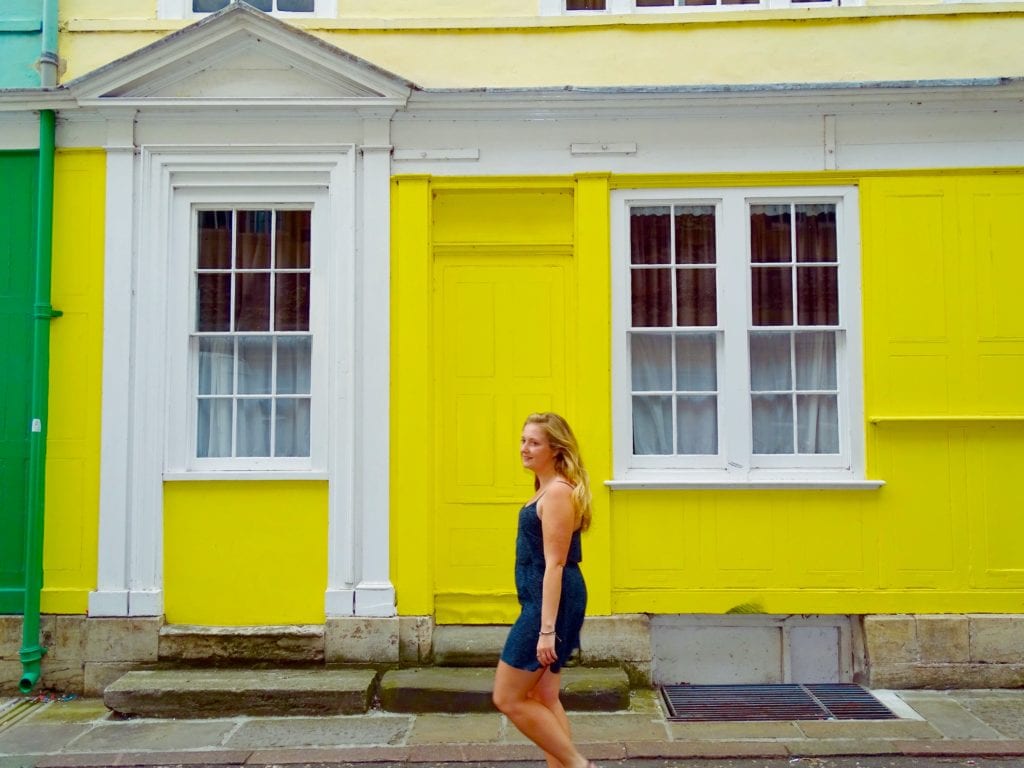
[[17, 244]]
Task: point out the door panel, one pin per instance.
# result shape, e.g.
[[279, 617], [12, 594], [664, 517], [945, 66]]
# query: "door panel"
[[502, 350]]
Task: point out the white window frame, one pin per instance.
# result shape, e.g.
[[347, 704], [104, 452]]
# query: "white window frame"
[[316, 202], [735, 464], [182, 9], [324, 183]]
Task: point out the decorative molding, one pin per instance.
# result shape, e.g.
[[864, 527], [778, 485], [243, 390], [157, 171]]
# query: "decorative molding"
[[436, 154]]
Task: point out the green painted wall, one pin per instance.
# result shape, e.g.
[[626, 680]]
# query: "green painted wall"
[[18, 172]]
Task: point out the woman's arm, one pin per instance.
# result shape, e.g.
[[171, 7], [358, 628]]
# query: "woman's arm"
[[557, 523]]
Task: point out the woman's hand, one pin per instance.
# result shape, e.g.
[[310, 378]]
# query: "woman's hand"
[[546, 650]]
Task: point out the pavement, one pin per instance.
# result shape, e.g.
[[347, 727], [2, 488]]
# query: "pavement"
[[83, 733]]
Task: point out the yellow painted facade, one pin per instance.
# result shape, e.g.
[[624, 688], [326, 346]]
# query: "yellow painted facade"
[[245, 553], [788, 46], [945, 418], [76, 349]]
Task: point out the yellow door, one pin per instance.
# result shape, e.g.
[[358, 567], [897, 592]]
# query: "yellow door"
[[502, 351]]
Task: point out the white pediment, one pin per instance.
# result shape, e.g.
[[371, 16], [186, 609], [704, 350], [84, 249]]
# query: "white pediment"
[[241, 55]]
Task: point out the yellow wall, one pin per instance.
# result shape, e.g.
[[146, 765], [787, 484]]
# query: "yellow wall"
[[245, 552], [76, 347], [943, 363], [805, 45]]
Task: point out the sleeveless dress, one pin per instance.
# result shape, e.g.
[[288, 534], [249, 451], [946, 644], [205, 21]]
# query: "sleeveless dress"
[[521, 646]]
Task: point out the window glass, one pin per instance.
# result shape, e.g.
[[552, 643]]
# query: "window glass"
[[673, 285], [252, 342], [751, 381]]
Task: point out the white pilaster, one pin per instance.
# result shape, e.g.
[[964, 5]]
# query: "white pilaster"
[[343, 507], [375, 595], [111, 595]]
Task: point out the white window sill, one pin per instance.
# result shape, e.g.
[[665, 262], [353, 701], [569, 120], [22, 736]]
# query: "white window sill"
[[754, 480], [236, 474]]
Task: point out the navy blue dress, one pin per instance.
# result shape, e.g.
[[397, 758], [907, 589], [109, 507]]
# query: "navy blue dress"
[[521, 646]]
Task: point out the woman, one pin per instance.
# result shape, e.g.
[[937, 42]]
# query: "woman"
[[552, 595]]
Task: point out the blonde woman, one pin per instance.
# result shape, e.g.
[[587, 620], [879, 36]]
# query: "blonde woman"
[[550, 587]]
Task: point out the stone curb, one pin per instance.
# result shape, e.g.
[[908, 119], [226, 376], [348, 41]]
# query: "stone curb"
[[503, 753]]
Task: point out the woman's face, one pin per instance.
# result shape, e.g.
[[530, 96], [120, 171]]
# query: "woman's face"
[[535, 450]]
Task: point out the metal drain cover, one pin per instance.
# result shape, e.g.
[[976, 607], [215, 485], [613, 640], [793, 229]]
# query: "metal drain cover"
[[825, 701]]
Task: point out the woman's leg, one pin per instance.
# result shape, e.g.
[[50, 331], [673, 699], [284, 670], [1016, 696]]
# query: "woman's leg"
[[512, 688], [547, 691]]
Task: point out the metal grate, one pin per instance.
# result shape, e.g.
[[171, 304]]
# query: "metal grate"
[[839, 701]]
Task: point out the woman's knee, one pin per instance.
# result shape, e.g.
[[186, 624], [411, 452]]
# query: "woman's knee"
[[504, 700]]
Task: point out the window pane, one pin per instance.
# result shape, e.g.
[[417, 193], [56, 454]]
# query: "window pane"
[[292, 240], [213, 301], [291, 300], [253, 427], [216, 366], [291, 432], [770, 362], [650, 235], [263, 5], [654, 3], [255, 364], [697, 422], [214, 239], [208, 6], [652, 363], [772, 295], [689, 3], [252, 301], [773, 423], [652, 298], [295, 6], [293, 365], [652, 425], [584, 5], [696, 363], [815, 361], [817, 424], [816, 233], [213, 428], [817, 295], [695, 235], [770, 234], [253, 245], [695, 295]]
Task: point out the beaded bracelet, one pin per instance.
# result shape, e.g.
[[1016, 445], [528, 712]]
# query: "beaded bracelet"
[[547, 633]]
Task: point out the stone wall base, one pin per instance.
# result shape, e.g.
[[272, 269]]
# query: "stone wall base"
[[962, 650], [889, 651]]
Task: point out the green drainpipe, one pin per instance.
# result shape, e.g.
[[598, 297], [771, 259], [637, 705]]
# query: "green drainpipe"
[[31, 653]]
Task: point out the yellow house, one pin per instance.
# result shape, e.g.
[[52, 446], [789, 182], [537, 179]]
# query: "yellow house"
[[317, 265]]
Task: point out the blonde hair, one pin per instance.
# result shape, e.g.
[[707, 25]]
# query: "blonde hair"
[[568, 462]]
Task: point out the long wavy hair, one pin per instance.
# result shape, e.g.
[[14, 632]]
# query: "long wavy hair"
[[568, 462]]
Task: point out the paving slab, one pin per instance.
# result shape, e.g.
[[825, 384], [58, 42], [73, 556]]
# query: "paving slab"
[[952, 719], [437, 728], [27, 738], [767, 729], [867, 729], [262, 733], [592, 728], [152, 736], [839, 747], [1003, 713], [703, 749], [76, 711], [198, 693]]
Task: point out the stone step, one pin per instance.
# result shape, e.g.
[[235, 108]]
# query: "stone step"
[[226, 692], [468, 689], [282, 645]]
